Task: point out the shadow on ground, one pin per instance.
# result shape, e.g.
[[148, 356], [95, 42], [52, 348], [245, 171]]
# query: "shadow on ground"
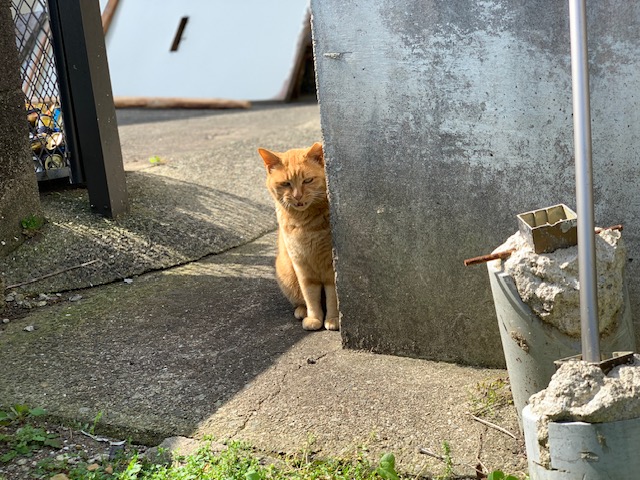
[[212, 348], [160, 354], [170, 222], [206, 195]]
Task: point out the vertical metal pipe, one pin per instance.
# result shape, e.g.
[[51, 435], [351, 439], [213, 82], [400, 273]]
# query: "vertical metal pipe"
[[584, 182]]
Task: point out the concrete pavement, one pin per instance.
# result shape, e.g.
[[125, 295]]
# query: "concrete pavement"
[[203, 343]]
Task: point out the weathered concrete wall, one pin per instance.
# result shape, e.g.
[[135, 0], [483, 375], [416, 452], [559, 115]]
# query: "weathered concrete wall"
[[18, 186], [442, 120]]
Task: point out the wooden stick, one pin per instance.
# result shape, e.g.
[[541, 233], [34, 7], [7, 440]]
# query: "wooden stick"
[[428, 452], [493, 425], [487, 258], [107, 15], [177, 102], [481, 469], [37, 279], [612, 227]]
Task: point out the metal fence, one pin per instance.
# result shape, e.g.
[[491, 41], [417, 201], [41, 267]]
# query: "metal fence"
[[41, 89]]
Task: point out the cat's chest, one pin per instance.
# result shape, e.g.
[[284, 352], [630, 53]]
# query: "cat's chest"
[[302, 241], [303, 234]]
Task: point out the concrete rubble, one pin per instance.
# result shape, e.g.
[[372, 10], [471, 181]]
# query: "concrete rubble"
[[581, 391], [549, 282]]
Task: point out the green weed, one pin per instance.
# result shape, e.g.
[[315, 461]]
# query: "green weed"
[[19, 413], [499, 475], [96, 420], [448, 463], [387, 468], [489, 397], [156, 160], [25, 440], [32, 225]]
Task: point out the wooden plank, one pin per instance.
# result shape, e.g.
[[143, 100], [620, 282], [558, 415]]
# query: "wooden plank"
[[178, 102], [108, 14]]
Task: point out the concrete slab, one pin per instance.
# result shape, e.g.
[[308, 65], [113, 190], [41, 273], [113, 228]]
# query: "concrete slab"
[[210, 347], [159, 353]]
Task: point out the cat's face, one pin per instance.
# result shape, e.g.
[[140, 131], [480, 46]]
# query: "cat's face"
[[296, 178]]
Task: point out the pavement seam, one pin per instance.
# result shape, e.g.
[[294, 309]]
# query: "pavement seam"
[[254, 411], [280, 385], [176, 265], [248, 242], [209, 255]]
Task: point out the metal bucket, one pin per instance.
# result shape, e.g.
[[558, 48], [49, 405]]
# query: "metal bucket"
[[584, 451], [531, 346]]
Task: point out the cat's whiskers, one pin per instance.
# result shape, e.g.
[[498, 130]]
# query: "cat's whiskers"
[[285, 203]]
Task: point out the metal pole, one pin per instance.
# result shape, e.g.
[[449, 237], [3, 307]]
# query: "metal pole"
[[90, 98], [77, 171], [584, 182]]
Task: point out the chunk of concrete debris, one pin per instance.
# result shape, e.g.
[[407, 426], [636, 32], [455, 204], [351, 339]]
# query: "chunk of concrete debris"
[[549, 284], [581, 391], [60, 476]]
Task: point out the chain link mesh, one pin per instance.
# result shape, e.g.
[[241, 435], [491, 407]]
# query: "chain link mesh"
[[41, 89]]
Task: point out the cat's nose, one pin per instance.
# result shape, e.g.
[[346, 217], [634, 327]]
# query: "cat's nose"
[[297, 194]]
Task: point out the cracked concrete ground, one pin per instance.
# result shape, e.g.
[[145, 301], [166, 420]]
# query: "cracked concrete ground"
[[209, 346]]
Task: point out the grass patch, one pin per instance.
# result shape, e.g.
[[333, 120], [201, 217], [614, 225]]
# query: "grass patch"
[[237, 462], [21, 437], [36, 447]]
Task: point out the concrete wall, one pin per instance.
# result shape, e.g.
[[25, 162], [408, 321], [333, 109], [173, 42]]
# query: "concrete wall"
[[442, 120], [18, 186]]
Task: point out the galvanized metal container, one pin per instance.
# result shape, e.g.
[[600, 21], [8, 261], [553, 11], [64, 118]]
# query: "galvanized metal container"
[[548, 229], [583, 451], [532, 346]]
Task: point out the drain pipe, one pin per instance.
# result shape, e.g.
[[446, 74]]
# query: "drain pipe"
[[584, 182]]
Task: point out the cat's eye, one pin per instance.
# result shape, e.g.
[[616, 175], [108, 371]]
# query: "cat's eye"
[[285, 184], [308, 180]]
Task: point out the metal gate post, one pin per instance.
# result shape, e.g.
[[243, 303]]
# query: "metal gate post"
[[81, 56]]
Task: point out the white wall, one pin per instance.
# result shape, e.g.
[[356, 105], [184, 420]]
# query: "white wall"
[[236, 50]]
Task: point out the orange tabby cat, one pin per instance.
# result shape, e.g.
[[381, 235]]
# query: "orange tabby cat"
[[304, 266]]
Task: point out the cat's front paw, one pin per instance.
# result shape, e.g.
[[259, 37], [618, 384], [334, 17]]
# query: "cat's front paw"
[[300, 312], [332, 323], [310, 323]]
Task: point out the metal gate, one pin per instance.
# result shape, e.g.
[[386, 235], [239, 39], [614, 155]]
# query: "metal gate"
[[49, 146]]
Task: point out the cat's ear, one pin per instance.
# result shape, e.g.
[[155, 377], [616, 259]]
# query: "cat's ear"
[[315, 153], [271, 160]]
